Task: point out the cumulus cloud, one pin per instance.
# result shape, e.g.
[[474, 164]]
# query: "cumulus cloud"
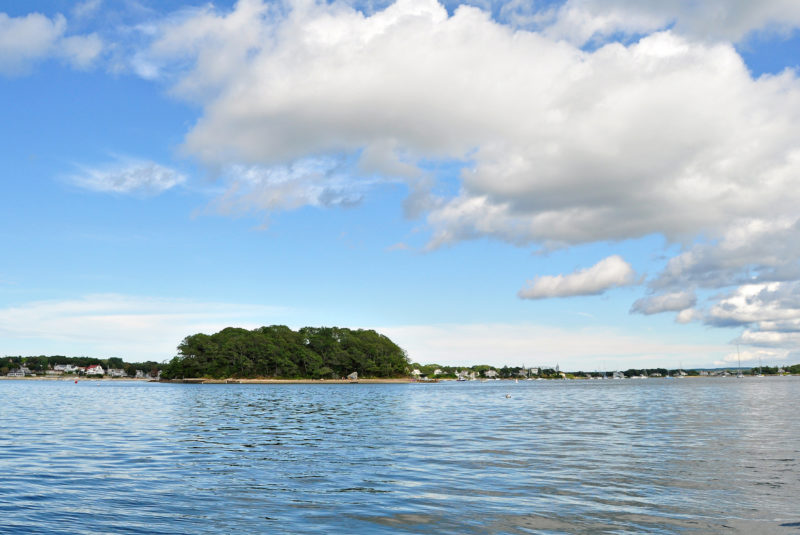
[[664, 132], [769, 313], [133, 327], [609, 273], [758, 250], [665, 135], [129, 177], [672, 302], [774, 306], [34, 37]]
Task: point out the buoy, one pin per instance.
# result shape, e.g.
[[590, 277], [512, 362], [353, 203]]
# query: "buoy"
[[508, 396], [76, 381]]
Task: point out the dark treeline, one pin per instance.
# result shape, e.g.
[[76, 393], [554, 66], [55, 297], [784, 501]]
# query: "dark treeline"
[[41, 363], [279, 352]]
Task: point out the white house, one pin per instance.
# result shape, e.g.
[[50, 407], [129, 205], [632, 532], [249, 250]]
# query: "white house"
[[437, 371], [116, 372], [416, 373], [16, 373], [95, 369], [491, 374]]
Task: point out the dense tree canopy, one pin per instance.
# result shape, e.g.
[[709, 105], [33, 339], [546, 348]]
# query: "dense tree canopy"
[[278, 351]]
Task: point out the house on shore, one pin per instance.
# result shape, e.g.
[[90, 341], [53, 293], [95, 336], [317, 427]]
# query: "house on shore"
[[95, 369]]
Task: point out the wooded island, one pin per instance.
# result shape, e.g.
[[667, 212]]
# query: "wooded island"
[[279, 352]]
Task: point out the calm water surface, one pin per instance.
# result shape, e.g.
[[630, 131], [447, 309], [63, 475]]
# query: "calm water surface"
[[647, 456]]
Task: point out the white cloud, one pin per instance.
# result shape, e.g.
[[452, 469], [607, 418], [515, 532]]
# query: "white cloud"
[[609, 273], [309, 182], [81, 50], [667, 135], [769, 312], [86, 9], [134, 328], [688, 315], [532, 345], [34, 37], [777, 304], [758, 250], [672, 302], [752, 357], [584, 20], [129, 177], [26, 39]]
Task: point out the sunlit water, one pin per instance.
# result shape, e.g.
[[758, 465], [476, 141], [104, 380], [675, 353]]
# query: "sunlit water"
[[646, 456]]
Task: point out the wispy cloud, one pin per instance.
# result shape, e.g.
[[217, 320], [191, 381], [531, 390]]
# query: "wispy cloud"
[[532, 344], [132, 327], [609, 273], [307, 182], [129, 176], [672, 302]]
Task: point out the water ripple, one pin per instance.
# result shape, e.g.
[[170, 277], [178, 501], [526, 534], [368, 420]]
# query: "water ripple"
[[692, 456]]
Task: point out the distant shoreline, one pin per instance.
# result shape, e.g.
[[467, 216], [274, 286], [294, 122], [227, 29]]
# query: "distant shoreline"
[[76, 378], [291, 381], [200, 380], [206, 381]]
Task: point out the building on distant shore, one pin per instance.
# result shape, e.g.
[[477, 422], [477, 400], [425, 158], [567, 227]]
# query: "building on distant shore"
[[95, 369], [16, 373]]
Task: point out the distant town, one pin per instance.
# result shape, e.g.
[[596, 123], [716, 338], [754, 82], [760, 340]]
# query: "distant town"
[[485, 372], [115, 368], [59, 365]]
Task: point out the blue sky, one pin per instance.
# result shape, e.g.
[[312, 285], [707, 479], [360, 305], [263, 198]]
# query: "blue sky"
[[594, 184]]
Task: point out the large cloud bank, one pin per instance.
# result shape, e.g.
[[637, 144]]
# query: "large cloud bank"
[[559, 144], [563, 134]]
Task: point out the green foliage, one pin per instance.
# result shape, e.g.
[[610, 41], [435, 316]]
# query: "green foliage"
[[114, 362], [278, 351]]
